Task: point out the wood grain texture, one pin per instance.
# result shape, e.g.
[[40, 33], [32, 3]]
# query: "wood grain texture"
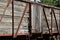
[[6, 23]]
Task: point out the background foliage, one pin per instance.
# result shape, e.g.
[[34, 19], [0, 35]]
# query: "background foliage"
[[51, 2]]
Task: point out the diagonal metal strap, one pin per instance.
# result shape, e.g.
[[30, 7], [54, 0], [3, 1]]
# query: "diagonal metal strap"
[[55, 19], [46, 19], [21, 20], [9, 1]]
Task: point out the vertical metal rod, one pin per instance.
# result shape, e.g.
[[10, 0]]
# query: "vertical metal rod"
[[59, 21], [51, 23], [29, 24], [12, 17], [55, 20], [51, 20], [46, 20]]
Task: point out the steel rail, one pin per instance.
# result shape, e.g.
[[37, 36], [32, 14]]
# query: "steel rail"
[[40, 4]]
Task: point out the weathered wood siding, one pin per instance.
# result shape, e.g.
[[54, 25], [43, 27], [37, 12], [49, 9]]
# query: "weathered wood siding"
[[38, 19], [6, 23]]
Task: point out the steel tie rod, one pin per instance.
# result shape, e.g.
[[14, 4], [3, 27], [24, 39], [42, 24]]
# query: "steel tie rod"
[[12, 17]]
